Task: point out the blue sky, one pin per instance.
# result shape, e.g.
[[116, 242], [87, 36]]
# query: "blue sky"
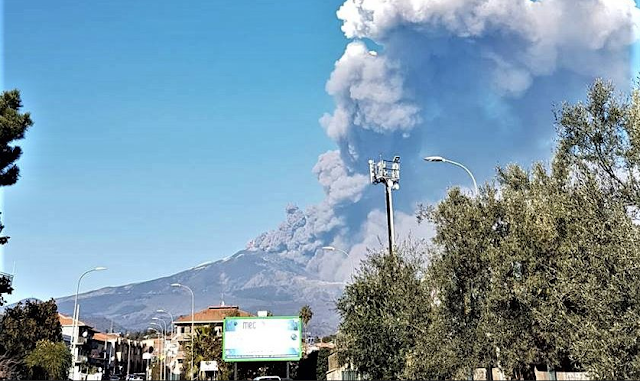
[[164, 135]]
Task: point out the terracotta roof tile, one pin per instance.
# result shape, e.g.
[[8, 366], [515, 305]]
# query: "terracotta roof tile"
[[215, 313], [67, 321]]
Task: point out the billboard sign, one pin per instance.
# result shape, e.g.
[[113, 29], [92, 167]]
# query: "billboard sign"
[[273, 338]]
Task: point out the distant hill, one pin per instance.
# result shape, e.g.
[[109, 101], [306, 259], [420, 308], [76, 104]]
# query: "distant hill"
[[99, 322], [251, 279], [23, 301]]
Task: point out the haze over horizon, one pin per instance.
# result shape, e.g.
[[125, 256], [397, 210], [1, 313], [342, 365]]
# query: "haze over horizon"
[[167, 136]]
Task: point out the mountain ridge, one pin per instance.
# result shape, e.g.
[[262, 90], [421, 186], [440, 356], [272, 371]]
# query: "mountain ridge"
[[251, 279]]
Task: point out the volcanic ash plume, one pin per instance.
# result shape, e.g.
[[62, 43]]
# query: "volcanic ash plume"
[[474, 80]]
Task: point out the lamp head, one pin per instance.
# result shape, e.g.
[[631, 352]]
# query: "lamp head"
[[161, 310], [175, 285], [328, 248], [99, 268], [434, 158]]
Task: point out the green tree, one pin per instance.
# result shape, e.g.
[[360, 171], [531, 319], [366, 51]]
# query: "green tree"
[[5, 284], [380, 311], [13, 125], [23, 326], [602, 137], [305, 315], [207, 346], [49, 361], [9, 368], [322, 364], [542, 268]]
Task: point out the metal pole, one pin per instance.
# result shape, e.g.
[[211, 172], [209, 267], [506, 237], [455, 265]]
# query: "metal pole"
[[192, 321], [287, 369], [106, 337], [128, 356], [388, 173], [235, 370], [388, 186], [475, 185], [76, 316], [192, 326], [164, 337]]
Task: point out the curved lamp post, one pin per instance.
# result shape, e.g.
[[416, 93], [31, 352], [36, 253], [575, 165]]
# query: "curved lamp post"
[[331, 248], [156, 331], [170, 316], [76, 316], [162, 351], [164, 339], [192, 317], [443, 160]]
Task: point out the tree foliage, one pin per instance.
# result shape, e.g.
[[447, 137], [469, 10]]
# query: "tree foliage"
[[5, 284], [9, 368], [305, 314], [13, 125], [541, 269], [207, 346], [322, 364], [22, 326], [379, 311], [49, 361]]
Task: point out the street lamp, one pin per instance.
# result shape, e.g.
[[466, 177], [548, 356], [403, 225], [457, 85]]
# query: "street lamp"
[[158, 332], [162, 354], [192, 325], [443, 160], [331, 248], [170, 315], [76, 316]]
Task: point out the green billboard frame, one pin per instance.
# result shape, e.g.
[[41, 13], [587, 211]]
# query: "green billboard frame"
[[260, 359]]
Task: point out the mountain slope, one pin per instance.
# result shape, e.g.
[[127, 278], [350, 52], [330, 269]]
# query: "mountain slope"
[[250, 279]]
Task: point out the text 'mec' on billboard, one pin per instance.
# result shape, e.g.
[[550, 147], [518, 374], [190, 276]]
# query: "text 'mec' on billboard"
[[274, 338]]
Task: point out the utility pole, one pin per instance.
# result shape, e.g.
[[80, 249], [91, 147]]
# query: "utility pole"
[[388, 173], [129, 356]]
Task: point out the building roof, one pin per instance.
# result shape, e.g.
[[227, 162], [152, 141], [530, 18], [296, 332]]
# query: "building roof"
[[213, 314], [68, 321], [105, 336]]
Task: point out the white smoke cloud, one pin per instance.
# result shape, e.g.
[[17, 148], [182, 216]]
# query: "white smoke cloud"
[[369, 94], [303, 232], [336, 266], [546, 35], [471, 79]]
